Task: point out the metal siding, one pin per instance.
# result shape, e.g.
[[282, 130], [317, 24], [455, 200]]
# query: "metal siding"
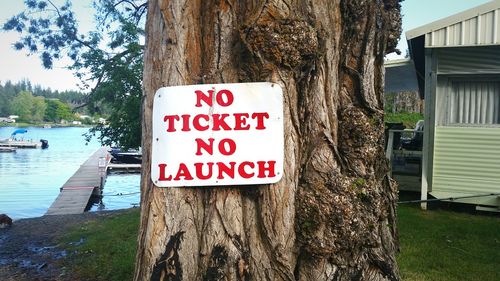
[[470, 60], [455, 33], [478, 30], [487, 28], [496, 29], [466, 162], [439, 37], [486, 200]]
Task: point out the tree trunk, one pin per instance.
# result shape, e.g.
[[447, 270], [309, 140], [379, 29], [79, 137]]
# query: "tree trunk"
[[332, 216]]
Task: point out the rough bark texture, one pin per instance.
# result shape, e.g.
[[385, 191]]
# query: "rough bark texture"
[[332, 216]]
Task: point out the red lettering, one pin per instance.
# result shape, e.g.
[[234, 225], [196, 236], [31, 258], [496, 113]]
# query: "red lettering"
[[262, 169], [200, 96], [185, 122], [222, 147], [223, 98], [199, 171], [208, 147], [196, 122], [170, 122], [240, 120], [229, 171], [260, 119], [205, 171], [229, 97], [242, 172], [183, 172], [220, 122], [162, 177]]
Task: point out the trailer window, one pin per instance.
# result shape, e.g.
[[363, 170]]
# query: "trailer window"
[[474, 103]]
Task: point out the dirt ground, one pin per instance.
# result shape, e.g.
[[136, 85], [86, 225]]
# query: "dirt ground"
[[29, 249]]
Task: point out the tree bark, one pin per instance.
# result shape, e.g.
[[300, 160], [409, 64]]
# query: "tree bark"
[[332, 216]]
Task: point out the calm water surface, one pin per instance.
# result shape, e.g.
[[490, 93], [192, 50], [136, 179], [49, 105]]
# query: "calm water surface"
[[30, 178]]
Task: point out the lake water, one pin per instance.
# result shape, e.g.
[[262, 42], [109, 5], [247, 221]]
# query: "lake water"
[[30, 178]]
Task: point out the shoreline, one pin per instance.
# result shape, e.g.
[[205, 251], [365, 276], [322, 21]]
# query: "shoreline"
[[31, 248], [41, 125]]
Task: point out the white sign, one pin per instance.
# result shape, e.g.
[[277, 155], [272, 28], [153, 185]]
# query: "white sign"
[[219, 134]]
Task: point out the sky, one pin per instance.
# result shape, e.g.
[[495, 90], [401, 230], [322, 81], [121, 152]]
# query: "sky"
[[16, 65]]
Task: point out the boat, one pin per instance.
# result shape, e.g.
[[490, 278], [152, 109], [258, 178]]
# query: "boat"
[[130, 156], [17, 140]]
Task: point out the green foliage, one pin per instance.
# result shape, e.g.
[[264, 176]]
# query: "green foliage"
[[409, 120], [51, 111], [28, 107], [9, 91], [112, 73], [109, 247], [39, 107], [22, 105], [57, 111], [63, 112]]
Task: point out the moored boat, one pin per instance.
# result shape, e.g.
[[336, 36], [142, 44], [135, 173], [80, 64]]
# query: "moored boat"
[[126, 157], [17, 140], [7, 149]]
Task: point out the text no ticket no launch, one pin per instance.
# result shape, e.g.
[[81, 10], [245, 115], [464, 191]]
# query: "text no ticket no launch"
[[217, 134]]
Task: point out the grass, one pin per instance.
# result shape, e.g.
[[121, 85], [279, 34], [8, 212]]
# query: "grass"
[[435, 245], [408, 119], [108, 249], [442, 245]]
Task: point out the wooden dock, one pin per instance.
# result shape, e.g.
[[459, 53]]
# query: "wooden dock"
[[75, 194]]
